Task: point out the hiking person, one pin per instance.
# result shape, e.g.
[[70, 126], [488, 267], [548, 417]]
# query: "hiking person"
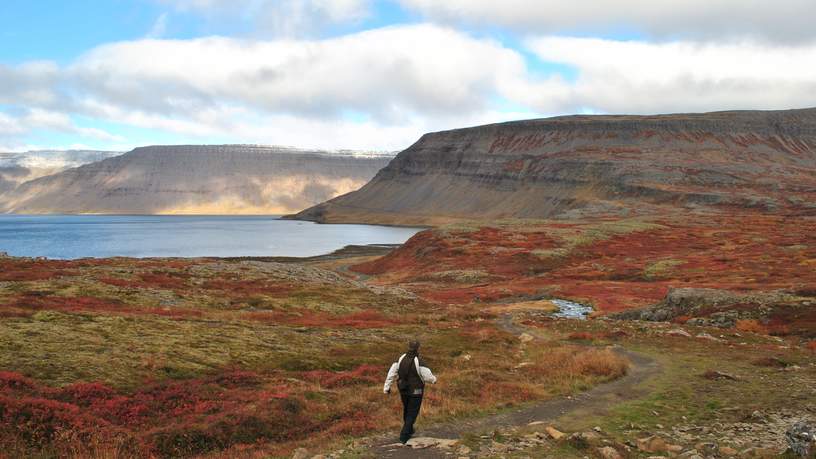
[[411, 375]]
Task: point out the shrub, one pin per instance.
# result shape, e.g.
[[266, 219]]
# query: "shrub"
[[601, 363], [681, 319], [751, 325], [364, 374], [237, 378], [11, 381], [37, 421], [581, 336], [771, 362], [85, 394]]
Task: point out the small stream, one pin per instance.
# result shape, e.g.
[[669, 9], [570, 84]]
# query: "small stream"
[[571, 310]]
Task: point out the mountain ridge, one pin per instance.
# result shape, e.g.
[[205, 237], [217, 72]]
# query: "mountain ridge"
[[591, 165], [197, 179]]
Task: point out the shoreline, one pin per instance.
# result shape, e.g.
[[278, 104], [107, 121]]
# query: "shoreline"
[[348, 251]]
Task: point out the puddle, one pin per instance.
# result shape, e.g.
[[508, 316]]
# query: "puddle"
[[571, 310]]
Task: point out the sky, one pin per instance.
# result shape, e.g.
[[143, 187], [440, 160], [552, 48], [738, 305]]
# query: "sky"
[[377, 74]]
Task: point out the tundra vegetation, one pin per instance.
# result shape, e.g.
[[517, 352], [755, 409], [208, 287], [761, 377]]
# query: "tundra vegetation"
[[255, 358]]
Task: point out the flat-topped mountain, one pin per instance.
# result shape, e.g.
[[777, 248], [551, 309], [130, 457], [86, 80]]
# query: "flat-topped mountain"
[[576, 166], [225, 179], [17, 168]]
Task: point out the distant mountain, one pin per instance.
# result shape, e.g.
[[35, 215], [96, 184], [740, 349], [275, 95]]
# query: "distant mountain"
[[17, 168], [187, 179], [576, 166]]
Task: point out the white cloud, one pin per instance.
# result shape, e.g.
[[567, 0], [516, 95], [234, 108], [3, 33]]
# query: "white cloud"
[[389, 74], [9, 125], [632, 76], [282, 17], [29, 83], [38, 118], [383, 88], [779, 20]]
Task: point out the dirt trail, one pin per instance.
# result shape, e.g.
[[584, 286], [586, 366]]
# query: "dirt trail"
[[594, 400]]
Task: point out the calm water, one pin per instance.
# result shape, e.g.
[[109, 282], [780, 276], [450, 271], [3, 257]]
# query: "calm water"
[[78, 236]]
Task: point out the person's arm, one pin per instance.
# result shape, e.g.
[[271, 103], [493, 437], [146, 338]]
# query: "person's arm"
[[424, 372], [426, 375], [392, 375]]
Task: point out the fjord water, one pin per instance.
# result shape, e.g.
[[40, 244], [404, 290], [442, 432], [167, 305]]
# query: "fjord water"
[[80, 236]]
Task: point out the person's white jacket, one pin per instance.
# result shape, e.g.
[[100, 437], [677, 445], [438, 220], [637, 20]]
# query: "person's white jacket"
[[424, 373]]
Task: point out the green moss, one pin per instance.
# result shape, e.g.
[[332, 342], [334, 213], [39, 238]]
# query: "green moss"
[[660, 269], [59, 348]]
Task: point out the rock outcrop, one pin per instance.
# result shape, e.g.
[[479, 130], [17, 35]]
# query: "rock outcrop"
[[593, 165], [227, 179], [720, 308]]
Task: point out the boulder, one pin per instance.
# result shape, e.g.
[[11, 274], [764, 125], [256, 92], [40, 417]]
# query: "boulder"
[[608, 452], [728, 451], [554, 433], [801, 439], [679, 332], [583, 440], [652, 444]]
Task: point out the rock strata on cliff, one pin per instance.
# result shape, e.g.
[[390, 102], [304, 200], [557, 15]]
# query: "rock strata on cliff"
[[225, 179], [591, 165]]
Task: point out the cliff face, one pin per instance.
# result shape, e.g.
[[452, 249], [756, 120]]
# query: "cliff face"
[[229, 179], [18, 168], [591, 165]]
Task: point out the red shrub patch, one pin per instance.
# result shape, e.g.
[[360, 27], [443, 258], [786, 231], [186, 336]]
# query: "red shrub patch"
[[11, 381], [167, 419], [364, 374], [364, 319], [21, 270], [88, 304], [37, 421], [248, 288], [167, 280], [581, 336], [123, 283], [85, 394]]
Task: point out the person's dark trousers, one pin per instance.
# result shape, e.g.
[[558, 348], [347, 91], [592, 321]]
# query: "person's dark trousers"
[[410, 411]]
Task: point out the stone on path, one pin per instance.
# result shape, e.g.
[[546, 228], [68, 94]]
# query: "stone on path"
[[430, 442], [608, 452], [652, 445], [554, 433]]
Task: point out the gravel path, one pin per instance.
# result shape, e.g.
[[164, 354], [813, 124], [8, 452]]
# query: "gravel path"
[[595, 400]]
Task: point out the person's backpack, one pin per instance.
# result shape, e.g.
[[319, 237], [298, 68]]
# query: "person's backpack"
[[406, 368]]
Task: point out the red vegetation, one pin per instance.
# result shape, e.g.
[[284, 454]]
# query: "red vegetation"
[[39, 301], [579, 336], [364, 374], [368, 318], [811, 345], [168, 280], [587, 336], [751, 325], [168, 419], [740, 253], [21, 270], [247, 288]]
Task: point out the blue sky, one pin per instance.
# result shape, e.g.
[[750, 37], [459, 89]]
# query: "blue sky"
[[376, 74]]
